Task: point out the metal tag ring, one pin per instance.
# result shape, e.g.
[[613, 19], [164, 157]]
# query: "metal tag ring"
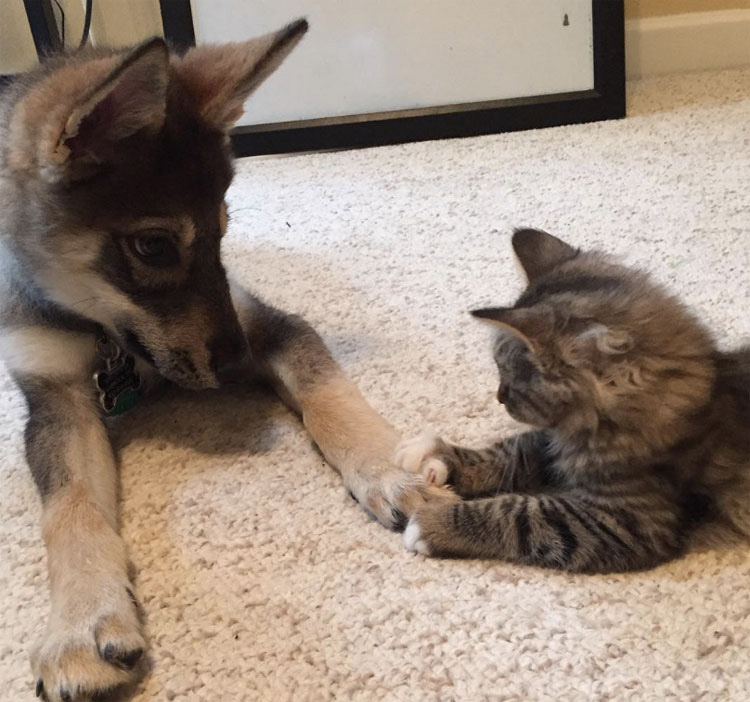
[[107, 349]]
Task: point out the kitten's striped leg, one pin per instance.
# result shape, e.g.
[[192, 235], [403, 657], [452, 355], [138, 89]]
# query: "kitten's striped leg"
[[568, 532], [517, 463]]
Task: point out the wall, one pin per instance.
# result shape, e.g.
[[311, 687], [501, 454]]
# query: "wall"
[[638, 9], [652, 49], [675, 36], [113, 23], [364, 56], [17, 51], [118, 23]]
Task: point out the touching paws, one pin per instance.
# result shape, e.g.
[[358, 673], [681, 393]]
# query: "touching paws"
[[392, 496], [419, 455]]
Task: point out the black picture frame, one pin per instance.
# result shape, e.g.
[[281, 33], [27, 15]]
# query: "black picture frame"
[[41, 18], [605, 101], [177, 21]]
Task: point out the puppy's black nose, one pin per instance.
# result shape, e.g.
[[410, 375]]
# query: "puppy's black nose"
[[229, 357]]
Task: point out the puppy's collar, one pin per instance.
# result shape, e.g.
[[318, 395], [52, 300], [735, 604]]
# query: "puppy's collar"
[[117, 381]]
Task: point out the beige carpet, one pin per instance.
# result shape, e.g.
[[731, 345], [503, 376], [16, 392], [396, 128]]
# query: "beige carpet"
[[263, 581]]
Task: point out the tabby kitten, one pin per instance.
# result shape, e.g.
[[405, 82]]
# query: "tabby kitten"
[[641, 426]]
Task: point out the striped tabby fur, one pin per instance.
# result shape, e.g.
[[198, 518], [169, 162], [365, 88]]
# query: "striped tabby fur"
[[641, 427]]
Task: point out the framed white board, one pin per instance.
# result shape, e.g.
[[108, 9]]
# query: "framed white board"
[[362, 56], [384, 71]]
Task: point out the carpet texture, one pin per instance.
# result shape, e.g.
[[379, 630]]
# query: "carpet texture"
[[263, 581]]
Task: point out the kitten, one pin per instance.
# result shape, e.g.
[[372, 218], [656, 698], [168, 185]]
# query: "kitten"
[[641, 427]]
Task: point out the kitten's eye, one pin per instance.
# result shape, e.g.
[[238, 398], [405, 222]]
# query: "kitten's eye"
[[524, 370], [155, 248]]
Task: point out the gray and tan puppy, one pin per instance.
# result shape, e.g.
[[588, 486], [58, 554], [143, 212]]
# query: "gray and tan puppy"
[[113, 169]]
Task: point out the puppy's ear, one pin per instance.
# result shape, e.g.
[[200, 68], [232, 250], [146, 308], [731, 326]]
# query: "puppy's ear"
[[132, 97], [220, 78], [73, 119]]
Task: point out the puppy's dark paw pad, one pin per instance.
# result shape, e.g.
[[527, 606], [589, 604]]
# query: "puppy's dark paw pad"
[[132, 597], [399, 519], [127, 660]]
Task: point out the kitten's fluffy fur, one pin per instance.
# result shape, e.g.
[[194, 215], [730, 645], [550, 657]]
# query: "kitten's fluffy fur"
[[641, 426]]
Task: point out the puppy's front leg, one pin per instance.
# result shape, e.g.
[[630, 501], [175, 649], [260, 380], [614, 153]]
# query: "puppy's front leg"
[[353, 437], [94, 636]]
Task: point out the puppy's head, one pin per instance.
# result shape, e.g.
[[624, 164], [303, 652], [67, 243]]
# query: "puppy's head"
[[117, 166]]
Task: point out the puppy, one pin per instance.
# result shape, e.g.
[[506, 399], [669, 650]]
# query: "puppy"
[[113, 170]]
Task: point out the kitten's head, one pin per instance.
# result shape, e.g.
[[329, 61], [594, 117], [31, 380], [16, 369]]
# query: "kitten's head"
[[592, 345]]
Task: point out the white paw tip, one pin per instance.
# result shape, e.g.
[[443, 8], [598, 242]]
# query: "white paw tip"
[[410, 453], [412, 540], [435, 471]]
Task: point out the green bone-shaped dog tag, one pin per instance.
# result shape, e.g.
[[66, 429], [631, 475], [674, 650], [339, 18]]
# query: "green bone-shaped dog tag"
[[118, 384], [124, 401]]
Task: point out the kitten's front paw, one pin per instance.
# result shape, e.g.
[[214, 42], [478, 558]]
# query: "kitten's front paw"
[[412, 538], [431, 530], [419, 455]]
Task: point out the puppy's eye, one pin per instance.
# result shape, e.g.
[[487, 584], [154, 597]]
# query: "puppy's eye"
[[155, 248]]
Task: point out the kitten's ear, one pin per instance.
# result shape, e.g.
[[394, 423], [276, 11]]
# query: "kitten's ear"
[[222, 77], [607, 340], [539, 252], [528, 324]]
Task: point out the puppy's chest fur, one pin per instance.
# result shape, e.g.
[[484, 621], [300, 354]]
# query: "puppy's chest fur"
[[42, 340]]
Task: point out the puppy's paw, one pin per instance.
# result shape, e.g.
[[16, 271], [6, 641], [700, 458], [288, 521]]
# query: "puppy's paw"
[[420, 455], [392, 496], [94, 644]]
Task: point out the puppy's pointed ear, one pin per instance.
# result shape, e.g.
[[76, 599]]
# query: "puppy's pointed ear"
[[528, 324], [132, 97], [539, 252], [222, 77], [73, 119]]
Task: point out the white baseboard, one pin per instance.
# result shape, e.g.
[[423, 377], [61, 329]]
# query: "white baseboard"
[[690, 42]]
